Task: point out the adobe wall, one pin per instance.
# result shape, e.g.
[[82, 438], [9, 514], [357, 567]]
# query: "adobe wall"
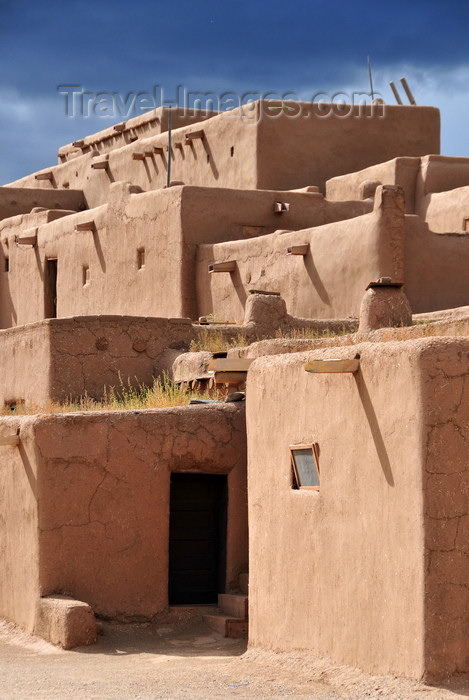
[[61, 359], [246, 218], [442, 198], [442, 173], [312, 149], [26, 365], [225, 157], [104, 484], [435, 267], [339, 572], [167, 224], [435, 187], [446, 211], [147, 124], [20, 200], [445, 400], [254, 151], [116, 284], [454, 323], [19, 551], [359, 185], [90, 353], [315, 285]]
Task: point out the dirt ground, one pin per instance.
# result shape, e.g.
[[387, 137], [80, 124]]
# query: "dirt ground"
[[180, 657]]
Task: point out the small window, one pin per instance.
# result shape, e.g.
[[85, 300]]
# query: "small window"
[[86, 275], [305, 466], [232, 151], [140, 258], [7, 265]]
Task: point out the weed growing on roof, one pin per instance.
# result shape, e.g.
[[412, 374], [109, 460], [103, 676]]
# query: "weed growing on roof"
[[214, 340], [164, 393]]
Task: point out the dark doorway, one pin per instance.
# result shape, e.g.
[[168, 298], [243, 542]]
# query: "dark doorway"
[[50, 288], [197, 538]]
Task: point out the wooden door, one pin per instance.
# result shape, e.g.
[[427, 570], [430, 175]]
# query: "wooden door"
[[197, 538]]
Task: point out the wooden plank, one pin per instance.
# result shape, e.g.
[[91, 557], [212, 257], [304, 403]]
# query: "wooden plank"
[[230, 377], [26, 240], [194, 135], [331, 366], [44, 176], [85, 226], [230, 364], [298, 249], [263, 291], [10, 440], [229, 266]]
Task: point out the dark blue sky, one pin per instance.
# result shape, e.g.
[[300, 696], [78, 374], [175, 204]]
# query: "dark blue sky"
[[304, 46]]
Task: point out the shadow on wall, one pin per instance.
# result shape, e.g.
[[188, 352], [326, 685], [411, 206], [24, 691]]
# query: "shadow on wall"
[[99, 249], [374, 427], [315, 279], [28, 469], [239, 286]]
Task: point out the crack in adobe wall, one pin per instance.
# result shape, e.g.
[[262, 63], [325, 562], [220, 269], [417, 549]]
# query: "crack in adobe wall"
[[90, 354], [105, 484], [445, 395]]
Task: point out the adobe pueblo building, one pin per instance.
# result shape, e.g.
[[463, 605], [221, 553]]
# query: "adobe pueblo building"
[[338, 250]]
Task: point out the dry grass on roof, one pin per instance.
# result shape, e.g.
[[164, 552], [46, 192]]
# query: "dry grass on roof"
[[211, 339], [164, 393]]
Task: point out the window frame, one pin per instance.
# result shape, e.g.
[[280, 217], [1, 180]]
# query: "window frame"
[[314, 447]]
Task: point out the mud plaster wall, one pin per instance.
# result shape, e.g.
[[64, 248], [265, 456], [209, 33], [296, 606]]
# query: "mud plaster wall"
[[442, 192], [104, 483], [257, 152], [115, 282], [88, 354], [442, 173], [18, 200], [19, 554], [435, 187], [399, 171], [308, 150], [435, 268], [210, 216], [148, 124], [445, 393], [339, 572], [446, 211], [62, 359], [26, 364], [316, 285], [166, 225], [207, 162]]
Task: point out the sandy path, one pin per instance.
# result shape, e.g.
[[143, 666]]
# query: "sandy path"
[[182, 658]]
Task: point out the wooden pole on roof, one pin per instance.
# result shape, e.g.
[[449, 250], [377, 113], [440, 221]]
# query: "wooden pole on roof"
[[170, 124], [371, 79], [395, 92]]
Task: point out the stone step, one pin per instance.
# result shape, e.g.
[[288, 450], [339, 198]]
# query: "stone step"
[[234, 604], [227, 625], [244, 583]]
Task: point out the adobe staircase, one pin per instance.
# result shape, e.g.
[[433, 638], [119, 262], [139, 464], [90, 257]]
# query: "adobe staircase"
[[231, 620]]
